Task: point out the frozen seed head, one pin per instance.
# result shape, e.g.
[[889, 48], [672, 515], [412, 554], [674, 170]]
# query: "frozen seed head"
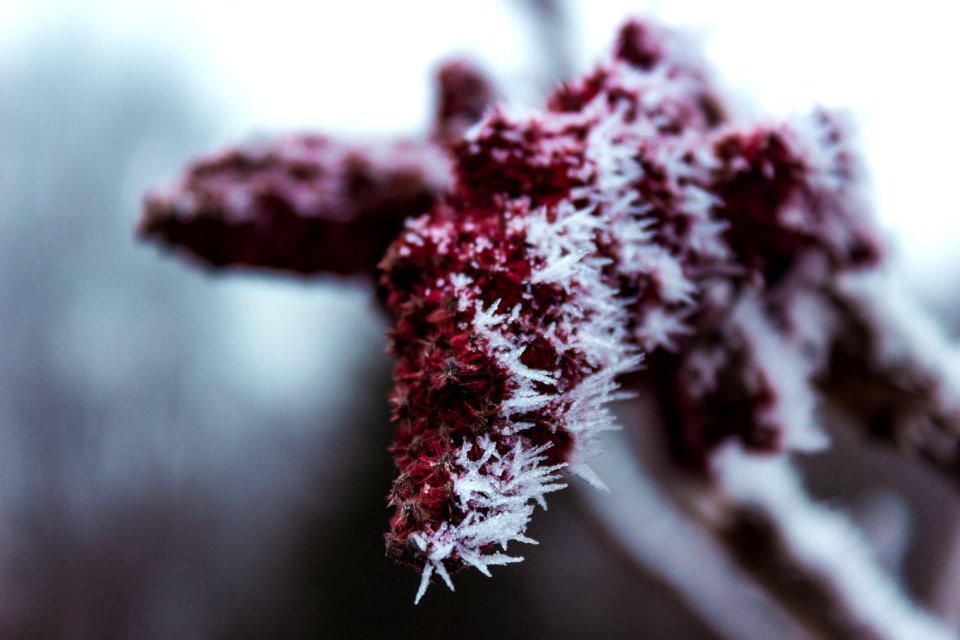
[[623, 220], [533, 257], [464, 93], [303, 203]]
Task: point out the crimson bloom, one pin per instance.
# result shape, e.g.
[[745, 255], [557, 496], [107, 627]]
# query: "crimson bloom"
[[538, 264]]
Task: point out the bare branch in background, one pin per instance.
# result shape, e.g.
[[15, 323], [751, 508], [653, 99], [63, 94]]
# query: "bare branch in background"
[[897, 374]]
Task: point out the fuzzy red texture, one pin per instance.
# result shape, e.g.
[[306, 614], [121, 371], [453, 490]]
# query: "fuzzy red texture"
[[757, 179], [311, 203], [642, 47], [448, 390], [463, 94], [305, 204], [767, 178]]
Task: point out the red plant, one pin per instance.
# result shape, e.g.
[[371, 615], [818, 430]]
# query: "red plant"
[[627, 237]]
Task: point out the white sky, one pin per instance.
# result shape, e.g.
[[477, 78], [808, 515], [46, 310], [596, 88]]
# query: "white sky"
[[362, 65]]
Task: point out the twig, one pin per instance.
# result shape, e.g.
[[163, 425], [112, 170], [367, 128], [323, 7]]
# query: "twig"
[[813, 557], [896, 372], [647, 524], [754, 531]]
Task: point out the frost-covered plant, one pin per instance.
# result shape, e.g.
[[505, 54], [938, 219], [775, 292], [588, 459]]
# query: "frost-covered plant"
[[629, 237]]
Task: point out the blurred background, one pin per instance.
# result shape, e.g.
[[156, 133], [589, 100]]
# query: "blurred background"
[[194, 455]]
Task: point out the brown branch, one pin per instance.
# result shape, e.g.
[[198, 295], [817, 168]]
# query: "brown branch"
[[810, 565], [811, 558], [654, 531], [895, 372]]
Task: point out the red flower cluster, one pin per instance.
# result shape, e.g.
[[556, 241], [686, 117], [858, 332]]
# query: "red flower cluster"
[[627, 221]]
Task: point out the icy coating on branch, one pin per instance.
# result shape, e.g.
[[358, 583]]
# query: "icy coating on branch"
[[623, 222]]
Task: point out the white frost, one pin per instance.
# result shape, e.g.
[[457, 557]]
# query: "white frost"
[[505, 487]]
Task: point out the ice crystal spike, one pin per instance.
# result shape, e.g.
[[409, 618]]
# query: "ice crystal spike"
[[896, 370], [304, 203]]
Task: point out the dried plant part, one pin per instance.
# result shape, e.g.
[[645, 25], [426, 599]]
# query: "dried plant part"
[[539, 264], [305, 204], [622, 221]]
